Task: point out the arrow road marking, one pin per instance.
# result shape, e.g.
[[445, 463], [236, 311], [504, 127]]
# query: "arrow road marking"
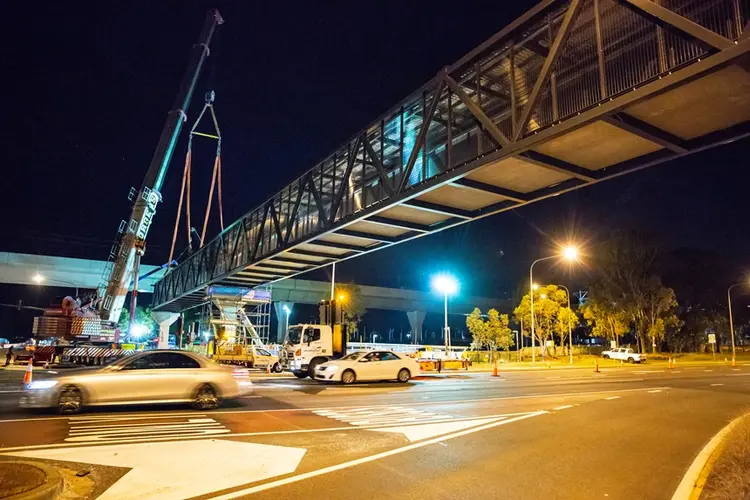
[[162, 471]]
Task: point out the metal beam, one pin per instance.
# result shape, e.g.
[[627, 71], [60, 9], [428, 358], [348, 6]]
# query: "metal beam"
[[557, 165], [336, 202], [401, 224], [276, 265], [476, 111], [322, 218], [489, 188], [276, 225], [295, 208], [549, 63], [666, 17], [369, 236], [340, 246], [640, 128], [291, 259], [316, 254], [384, 180], [419, 142], [439, 209]]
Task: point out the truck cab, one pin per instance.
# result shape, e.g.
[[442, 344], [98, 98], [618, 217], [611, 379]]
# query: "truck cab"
[[307, 346]]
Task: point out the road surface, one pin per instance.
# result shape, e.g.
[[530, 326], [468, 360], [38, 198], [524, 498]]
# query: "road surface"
[[628, 432]]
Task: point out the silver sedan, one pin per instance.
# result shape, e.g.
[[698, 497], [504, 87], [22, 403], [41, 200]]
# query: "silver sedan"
[[145, 378]]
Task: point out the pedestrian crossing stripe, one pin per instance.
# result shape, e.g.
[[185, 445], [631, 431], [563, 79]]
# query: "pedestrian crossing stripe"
[[381, 415], [118, 429]]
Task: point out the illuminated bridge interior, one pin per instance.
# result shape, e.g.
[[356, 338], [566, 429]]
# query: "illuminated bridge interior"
[[570, 94]]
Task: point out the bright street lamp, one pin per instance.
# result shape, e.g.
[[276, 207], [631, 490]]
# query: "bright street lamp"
[[39, 278], [569, 253], [731, 323], [288, 311], [447, 285]]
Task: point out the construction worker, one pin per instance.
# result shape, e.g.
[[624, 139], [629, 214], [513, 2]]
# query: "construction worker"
[[9, 355]]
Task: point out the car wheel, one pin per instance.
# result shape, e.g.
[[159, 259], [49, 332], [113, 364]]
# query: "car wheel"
[[206, 398], [631, 361], [348, 377], [606, 356], [277, 368], [70, 400], [300, 374], [404, 375]]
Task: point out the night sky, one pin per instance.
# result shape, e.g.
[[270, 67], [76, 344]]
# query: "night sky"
[[90, 85]]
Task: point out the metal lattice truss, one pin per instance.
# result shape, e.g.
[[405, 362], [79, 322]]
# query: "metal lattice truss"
[[570, 94]]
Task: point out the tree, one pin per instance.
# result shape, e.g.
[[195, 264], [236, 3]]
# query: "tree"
[[605, 319], [659, 305], [547, 303], [499, 334], [350, 296], [565, 322], [478, 328], [144, 319]]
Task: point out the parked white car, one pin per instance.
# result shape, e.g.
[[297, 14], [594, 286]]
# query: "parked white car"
[[625, 354], [368, 365]]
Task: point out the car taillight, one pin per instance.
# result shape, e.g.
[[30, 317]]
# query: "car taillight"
[[298, 352]]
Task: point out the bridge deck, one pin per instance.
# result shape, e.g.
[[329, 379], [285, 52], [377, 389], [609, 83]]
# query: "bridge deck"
[[570, 94]]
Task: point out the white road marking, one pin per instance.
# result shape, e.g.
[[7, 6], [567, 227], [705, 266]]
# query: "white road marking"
[[654, 391], [387, 415], [159, 470], [563, 407], [98, 430], [648, 371], [611, 398], [736, 369], [707, 371], [412, 403], [716, 385], [419, 432], [359, 461]]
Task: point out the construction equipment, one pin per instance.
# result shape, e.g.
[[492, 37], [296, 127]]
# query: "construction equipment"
[[119, 273]]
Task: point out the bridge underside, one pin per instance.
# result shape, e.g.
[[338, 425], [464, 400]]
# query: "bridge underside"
[[570, 94]]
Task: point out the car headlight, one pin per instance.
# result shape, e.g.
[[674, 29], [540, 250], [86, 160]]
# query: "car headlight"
[[42, 384]]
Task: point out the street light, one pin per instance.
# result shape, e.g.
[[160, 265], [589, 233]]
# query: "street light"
[[288, 311], [731, 324], [447, 285], [40, 278], [570, 332], [569, 253]]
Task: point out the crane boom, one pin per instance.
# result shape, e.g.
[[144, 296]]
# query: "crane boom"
[[148, 197]]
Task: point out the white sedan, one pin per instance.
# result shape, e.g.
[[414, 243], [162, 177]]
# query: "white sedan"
[[368, 365]]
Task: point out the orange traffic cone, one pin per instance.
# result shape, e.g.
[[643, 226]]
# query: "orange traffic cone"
[[670, 363], [27, 375], [596, 366], [268, 369], [494, 370]]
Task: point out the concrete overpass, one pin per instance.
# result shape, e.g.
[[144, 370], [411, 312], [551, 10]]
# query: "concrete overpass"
[[20, 269]]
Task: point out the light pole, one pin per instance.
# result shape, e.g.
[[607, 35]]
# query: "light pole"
[[447, 285], [731, 323], [569, 253], [286, 322], [570, 333], [39, 279]]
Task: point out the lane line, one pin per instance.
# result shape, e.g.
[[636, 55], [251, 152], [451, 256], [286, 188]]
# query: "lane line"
[[563, 407], [411, 403], [654, 391], [359, 461], [716, 385], [611, 398], [147, 424]]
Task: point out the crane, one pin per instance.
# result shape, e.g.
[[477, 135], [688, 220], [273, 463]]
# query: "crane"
[[125, 255]]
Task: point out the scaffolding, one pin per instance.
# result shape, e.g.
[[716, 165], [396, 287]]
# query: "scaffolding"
[[238, 318]]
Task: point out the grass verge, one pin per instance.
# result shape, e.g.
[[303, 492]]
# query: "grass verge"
[[730, 477]]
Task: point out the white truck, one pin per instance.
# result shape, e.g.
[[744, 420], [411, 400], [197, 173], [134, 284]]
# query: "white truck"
[[624, 354], [309, 345]]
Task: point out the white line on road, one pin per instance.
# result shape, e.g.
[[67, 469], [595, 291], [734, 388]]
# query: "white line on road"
[[654, 391], [411, 403], [612, 397], [352, 463], [707, 371], [716, 385], [563, 407]]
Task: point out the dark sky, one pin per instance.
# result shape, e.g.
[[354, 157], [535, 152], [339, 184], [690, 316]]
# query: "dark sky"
[[90, 85]]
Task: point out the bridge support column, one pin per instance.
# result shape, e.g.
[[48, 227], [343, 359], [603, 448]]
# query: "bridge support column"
[[283, 312], [416, 319], [165, 320]]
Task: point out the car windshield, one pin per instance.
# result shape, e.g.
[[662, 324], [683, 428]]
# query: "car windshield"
[[295, 333], [353, 356]]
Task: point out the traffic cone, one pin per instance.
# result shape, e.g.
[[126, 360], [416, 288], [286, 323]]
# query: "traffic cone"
[[27, 376], [734, 362], [268, 369], [670, 363], [596, 366], [494, 370]]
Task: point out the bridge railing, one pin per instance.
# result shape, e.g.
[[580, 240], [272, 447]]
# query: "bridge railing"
[[558, 60]]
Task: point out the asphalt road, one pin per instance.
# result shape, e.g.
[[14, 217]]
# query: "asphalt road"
[[628, 432]]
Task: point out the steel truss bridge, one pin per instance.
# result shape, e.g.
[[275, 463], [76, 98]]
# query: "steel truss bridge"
[[570, 94]]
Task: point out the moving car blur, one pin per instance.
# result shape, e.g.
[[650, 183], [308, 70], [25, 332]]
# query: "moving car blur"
[[159, 376]]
